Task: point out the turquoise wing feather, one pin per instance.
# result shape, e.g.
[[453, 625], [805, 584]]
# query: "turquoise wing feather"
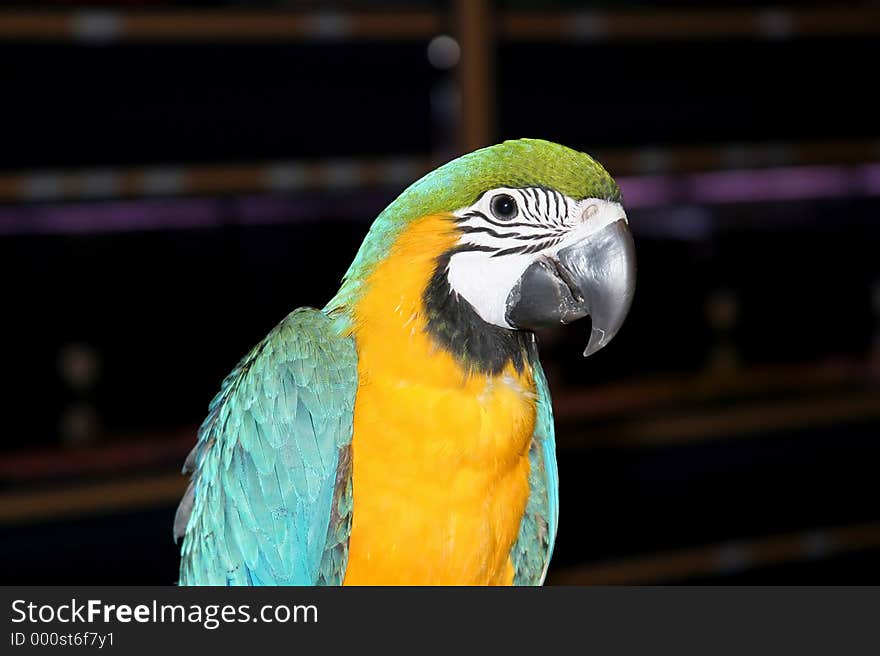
[[537, 534], [269, 502]]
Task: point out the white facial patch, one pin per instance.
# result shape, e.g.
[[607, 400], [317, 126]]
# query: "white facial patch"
[[498, 244]]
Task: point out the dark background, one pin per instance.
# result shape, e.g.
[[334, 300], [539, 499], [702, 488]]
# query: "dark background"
[[175, 178]]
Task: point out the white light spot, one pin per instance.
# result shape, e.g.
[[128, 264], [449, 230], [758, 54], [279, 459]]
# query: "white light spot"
[[652, 160], [96, 184], [284, 177], [400, 170], [443, 52], [159, 182], [78, 365], [43, 186], [96, 26], [775, 24], [328, 25], [342, 174], [588, 26]]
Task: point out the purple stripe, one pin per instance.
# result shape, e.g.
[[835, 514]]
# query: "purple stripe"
[[648, 191], [871, 176], [184, 213], [750, 186], [108, 217], [771, 185]]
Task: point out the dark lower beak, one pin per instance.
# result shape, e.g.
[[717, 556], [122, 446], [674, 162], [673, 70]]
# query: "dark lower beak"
[[595, 277]]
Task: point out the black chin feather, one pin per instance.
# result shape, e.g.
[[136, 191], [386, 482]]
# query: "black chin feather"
[[454, 324]]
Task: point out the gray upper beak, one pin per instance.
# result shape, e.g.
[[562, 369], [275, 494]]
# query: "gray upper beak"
[[595, 276]]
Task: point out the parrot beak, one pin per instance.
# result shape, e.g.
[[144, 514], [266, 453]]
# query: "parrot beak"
[[594, 277]]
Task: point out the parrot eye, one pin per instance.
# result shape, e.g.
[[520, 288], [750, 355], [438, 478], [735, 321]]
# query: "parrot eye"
[[504, 207]]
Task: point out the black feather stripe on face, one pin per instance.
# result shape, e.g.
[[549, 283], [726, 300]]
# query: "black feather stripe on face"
[[501, 224], [469, 230], [529, 248]]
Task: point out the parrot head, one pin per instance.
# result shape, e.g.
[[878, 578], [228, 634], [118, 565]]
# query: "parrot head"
[[540, 239]]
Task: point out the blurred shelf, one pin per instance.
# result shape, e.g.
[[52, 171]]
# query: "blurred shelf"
[[648, 393], [727, 172], [135, 492], [740, 420], [725, 558], [764, 23], [265, 25], [110, 182], [725, 156], [113, 457], [194, 25]]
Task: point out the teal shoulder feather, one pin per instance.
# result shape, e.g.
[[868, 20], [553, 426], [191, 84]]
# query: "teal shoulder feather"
[[537, 533], [269, 501]]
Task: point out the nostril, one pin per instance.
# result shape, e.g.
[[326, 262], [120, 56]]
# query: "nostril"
[[589, 212]]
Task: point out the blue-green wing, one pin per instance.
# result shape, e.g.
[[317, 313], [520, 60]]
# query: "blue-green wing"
[[537, 533], [269, 501]]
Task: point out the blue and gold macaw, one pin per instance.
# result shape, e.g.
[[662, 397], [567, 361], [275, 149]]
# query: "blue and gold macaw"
[[404, 433]]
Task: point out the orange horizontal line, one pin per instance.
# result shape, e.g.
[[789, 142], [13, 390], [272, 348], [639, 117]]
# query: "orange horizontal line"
[[741, 420], [289, 25], [198, 179], [220, 24], [720, 558], [43, 25], [109, 457], [710, 157], [642, 394], [664, 25], [92, 498]]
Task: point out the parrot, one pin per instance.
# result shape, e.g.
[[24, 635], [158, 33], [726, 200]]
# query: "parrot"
[[404, 434]]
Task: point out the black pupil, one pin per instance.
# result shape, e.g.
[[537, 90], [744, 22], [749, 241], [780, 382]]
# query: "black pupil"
[[503, 206]]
